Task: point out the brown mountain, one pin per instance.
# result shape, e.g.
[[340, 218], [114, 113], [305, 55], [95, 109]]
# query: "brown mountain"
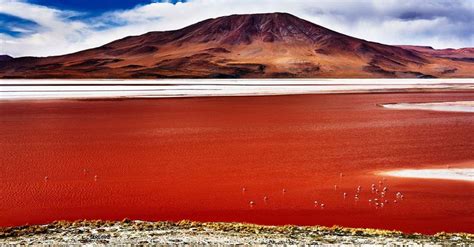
[[247, 46], [5, 58]]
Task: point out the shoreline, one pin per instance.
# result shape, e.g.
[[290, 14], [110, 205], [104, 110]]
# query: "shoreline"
[[142, 89], [188, 96], [190, 232]]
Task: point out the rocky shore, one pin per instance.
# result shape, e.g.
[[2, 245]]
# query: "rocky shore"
[[187, 232]]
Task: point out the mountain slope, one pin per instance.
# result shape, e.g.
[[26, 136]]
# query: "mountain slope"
[[5, 58], [463, 54], [249, 46]]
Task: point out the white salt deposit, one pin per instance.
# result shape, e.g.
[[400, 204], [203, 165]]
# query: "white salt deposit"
[[456, 106], [60, 89], [464, 174]]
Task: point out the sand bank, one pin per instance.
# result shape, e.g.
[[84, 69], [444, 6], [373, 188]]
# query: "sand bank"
[[462, 174], [456, 106]]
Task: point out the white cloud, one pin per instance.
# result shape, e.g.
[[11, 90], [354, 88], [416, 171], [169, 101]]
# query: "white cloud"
[[439, 23], [55, 35]]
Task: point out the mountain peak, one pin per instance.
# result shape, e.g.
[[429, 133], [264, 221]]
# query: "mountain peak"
[[248, 28], [243, 29]]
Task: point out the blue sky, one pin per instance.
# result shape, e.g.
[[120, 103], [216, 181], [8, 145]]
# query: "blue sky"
[[53, 27], [94, 7], [15, 26]]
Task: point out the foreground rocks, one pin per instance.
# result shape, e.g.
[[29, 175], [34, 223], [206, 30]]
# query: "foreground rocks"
[[187, 232]]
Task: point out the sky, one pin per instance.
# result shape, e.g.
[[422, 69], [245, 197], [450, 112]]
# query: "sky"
[[54, 27]]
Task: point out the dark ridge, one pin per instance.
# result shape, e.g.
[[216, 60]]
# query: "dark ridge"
[[95, 62], [4, 58], [132, 66], [462, 59], [217, 50]]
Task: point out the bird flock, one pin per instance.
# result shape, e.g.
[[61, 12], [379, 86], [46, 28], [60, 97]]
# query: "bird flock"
[[378, 197], [85, 172]]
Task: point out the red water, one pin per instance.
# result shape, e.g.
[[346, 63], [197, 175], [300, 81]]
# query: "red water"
[[172, 159]]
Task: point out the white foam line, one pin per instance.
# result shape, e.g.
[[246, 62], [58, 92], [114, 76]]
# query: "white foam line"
[[463, 174], [455, 106]]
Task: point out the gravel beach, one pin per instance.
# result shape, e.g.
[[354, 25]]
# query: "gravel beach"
[[188, 232]]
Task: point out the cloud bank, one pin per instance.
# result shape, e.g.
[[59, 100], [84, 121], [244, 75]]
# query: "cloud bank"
[[437, 23]]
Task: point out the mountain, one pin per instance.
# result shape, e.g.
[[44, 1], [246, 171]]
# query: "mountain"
[[246, 46], [5, 58]]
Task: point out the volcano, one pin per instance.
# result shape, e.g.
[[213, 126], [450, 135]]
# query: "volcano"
[[275, 45]]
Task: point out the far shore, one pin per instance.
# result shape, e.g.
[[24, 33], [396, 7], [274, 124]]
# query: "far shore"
[[167, 88]]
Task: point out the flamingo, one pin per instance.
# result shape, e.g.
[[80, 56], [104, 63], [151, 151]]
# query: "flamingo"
[[399, 195]]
